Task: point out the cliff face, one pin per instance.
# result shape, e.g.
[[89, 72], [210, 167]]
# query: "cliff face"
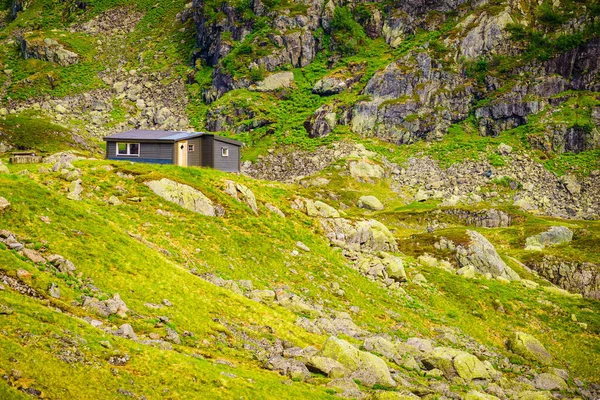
[[498, 63]]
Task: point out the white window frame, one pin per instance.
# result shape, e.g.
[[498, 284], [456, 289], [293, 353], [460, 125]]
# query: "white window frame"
[[128, 152], [191, 148], [224, 151]]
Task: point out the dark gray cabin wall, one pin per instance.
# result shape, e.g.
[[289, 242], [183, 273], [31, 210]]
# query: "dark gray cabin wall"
[[227, 164], [207, 151], [194, 157], [160, 153]]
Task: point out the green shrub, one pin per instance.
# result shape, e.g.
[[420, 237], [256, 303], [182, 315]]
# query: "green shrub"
[[347, 34], [549, 17]]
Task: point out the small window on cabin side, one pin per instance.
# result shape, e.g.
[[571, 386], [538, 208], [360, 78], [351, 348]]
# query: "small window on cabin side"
[[190, 148], [122, 149], [134, 149], [128, 149], [224, 152]]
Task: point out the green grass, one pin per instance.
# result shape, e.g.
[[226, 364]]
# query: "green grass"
[[33, 132], [240, 245]]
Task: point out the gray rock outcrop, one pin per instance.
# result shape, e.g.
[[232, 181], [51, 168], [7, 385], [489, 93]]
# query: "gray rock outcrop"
[[185, 196], [482, 255]]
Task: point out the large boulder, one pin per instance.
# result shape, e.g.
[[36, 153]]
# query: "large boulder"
[[237, 191], [365, 367], [274, 82], [322, 122], [548, 381], [383, 266], [362, 235], [185, 196], [454, 362], [529, 347], [365, 170], [482, 255], [315, 208], [370, 203], [554, 236], [47, 50]]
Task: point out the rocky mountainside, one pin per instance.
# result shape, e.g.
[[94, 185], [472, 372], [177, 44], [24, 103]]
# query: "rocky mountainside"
[[417, 214]]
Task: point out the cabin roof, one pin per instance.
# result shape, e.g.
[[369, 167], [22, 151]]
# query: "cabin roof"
[[163, 136]]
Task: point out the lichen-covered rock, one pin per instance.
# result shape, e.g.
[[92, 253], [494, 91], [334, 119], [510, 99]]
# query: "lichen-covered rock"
[[482, 255], [413, 98], [547, 381], [108, 307], [125, 331], [554, 236], [48, 50], [491, 218], [529, 347], [328, 366], [322, 122], [575, 276], [366, 367], [475, 395], [340, 80], [370, 203], [365, 170], [4, 204], [185, 196], [237, 190], [274, 82], [469, 367], [361, 235], [315, 208], [75, 189]]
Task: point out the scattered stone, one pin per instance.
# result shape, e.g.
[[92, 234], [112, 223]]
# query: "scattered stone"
[[125, 331], [119, 360], [114, 201], [366, 367], [529, 347], [475, 395], [262, 296], [4, 204], [23, 274], [370, 203], [108, 307], [274, 210], [467, 271], [33, 256], [54, 291], [5, 310], [547, 381], [302, 246], [75, 190], [45, 219], [173, 336]]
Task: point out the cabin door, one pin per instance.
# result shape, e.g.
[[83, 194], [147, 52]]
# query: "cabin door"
[[182, 153]]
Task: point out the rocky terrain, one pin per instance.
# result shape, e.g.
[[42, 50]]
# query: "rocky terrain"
[[417, 214]]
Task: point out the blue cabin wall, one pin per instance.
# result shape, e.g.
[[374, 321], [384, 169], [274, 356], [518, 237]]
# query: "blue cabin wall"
[[153, 153]]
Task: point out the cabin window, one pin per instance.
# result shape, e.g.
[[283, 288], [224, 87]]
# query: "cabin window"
[[190, 148], [224, 152], [128, 149]]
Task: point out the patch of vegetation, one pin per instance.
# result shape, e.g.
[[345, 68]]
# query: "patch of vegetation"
[[347, 35], [32, 132]]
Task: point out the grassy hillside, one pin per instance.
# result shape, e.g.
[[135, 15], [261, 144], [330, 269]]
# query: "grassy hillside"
[[60, 354]]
